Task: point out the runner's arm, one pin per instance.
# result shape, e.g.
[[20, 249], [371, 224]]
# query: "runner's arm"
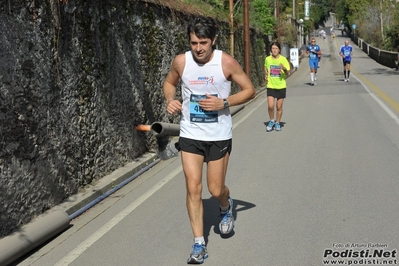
[[233, 71], [170, 82]]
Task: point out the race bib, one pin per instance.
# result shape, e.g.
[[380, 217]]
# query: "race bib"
[[275, 71], [313, 56], [197, 114]]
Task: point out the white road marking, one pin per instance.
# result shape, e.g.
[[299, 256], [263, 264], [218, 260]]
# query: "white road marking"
[[74, 254], [79, 250]]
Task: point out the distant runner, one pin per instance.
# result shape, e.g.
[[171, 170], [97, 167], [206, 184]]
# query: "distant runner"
[[346, 52], [313, 50]]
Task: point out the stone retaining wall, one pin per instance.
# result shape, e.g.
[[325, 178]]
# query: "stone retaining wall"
[[76, 77]]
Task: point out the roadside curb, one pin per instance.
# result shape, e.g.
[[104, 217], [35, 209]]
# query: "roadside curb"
[[105, 184]]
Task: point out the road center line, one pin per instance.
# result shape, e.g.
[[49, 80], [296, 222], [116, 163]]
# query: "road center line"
[[374, 91], [372, 88]]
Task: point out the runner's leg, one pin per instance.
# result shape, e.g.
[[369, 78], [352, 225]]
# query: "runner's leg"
[[192, 167]]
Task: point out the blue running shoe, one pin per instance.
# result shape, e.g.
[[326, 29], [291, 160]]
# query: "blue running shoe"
[[270, 126], [198, 255], [226, 225], [277, 127]]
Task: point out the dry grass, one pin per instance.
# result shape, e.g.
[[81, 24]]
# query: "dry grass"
[[194, 7]]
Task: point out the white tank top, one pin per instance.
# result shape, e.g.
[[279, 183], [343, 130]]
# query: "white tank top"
[[197, 80]]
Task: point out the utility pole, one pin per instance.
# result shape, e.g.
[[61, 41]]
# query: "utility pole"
[[231, 29], [278, 19], [382, 22], [247, 44]]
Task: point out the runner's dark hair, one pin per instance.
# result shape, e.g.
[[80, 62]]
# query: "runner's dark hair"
[[275, 44], [202, 27]]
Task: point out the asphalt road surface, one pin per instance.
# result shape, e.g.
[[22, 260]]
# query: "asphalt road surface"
[[323, 189]]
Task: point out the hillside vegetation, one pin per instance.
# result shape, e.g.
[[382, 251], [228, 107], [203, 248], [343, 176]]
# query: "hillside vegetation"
[[377, 21]]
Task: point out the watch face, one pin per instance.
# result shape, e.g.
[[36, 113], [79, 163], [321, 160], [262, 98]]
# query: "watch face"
[[226, 103]]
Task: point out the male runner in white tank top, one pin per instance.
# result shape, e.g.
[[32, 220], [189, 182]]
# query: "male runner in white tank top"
[[206, 124]]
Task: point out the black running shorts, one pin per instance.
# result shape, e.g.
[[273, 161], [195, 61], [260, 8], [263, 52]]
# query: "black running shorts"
[[278, 94], [346, 62], [211, 150]]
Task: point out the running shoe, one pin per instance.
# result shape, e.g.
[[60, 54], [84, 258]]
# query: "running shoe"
[[270, 126], [277, 127], [198, 255], [315, 82], [311, 84], [226, 225], [347, 80]]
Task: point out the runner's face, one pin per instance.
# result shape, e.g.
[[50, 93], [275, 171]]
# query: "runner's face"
[[275, 51], [201, 48]]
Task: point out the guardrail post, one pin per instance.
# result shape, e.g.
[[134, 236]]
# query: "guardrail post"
[[397, 63]]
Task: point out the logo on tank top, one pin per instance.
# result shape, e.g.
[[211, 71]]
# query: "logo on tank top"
[[203, 81]]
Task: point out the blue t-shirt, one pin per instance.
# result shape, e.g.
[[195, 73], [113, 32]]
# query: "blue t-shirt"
[[346, 51], [315, 48]]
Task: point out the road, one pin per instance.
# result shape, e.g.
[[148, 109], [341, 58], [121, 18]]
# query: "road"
[[324, 188]]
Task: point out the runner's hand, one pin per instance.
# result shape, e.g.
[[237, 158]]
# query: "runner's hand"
[[174, 106], [211, 103]]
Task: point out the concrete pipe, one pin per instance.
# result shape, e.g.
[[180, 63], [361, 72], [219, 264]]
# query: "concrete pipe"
[[32, 235], [165, 129]]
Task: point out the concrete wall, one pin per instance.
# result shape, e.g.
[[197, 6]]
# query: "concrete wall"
[[76, 77]]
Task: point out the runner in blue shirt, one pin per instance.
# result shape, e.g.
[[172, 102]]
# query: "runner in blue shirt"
[[346, 52], [313, 50]]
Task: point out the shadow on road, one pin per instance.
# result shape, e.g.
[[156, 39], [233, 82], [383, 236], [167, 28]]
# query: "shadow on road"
[[212, 215]]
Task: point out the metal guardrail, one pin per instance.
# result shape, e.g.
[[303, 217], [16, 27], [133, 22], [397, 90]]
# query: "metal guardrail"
[[383, 57]]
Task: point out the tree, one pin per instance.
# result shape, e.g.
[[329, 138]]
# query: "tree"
[[262, 16]]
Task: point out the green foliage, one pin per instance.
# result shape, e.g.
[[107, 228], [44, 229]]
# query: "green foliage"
[[262, 16], [308, 26], [392, 39], [341, 10], [368, 15], [216, 3], [364, 13], [289, 33], [319, 14]]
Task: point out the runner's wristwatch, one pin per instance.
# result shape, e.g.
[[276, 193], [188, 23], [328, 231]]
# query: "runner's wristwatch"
[[225, 104]]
